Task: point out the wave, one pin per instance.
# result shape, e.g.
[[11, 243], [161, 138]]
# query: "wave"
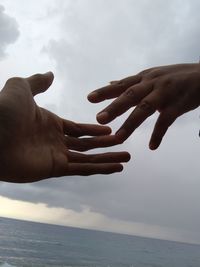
[[5, 264], [29, 240], [18, 249]]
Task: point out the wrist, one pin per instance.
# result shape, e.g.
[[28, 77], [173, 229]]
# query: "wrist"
[[4, 123]]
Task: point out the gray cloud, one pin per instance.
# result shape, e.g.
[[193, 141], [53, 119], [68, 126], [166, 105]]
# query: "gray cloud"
[[156, 187], [8, 31], [105, 40]]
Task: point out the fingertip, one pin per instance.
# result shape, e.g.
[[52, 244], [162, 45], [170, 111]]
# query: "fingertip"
[[107, 129], [120, 168], [102, 117], [49, 78], [153, 146], [39, 83], [128, 156], [49, 75], [125, 156], [155, 141], [92, 97]]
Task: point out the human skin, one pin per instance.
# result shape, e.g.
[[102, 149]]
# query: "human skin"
[[36, 144], [171, 90]]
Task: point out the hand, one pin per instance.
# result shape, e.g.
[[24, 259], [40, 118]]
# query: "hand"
[[35, 144], [172, 90]]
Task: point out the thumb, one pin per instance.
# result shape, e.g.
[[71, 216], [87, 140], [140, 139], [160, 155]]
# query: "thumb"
[[39, 83]]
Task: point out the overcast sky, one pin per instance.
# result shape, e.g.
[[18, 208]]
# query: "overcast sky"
[[87, 43]]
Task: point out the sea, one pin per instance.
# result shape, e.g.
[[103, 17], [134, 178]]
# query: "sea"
[[25, 244]]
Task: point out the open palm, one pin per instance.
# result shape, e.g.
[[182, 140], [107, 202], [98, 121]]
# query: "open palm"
[[37, 144]]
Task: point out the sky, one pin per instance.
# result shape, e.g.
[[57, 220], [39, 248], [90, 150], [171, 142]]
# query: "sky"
[[86, 44]]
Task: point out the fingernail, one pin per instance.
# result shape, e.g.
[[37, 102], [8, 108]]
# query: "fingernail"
[[48, 73], [153, 146], [128, 157], [92, 96], [102, 117], [107, 129]]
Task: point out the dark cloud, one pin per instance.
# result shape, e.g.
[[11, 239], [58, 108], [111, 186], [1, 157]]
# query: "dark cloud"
[[8, 31], [105, 40], [159, 187]]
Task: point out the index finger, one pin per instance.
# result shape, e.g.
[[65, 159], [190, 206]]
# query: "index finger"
[[114, 89]]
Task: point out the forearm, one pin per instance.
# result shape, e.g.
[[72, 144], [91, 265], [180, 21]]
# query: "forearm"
[[198, 69], [2, 123], [5, 142]]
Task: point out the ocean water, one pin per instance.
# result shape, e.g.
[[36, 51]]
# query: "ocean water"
[[40, 245]]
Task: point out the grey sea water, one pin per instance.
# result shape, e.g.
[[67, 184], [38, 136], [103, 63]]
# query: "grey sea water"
[[34, 244]]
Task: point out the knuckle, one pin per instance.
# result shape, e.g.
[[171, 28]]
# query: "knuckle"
[[154, 73], [120, 82], [146, 105], [166, 82], [15, 80], [130, 92], [146, 71], [151, 73]]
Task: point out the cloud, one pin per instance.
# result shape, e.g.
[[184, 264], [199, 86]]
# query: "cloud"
[[89, 220], [106, 40], [156, 188], [8, 31]]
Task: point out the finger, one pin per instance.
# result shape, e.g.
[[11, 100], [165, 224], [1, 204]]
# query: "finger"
[[164, 121], [84, 144], [80, 129], [152, 102], [109, 157], [136, 118], [113, 90], [39, 83], [131, 97], [91, 169], [113, 82]]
